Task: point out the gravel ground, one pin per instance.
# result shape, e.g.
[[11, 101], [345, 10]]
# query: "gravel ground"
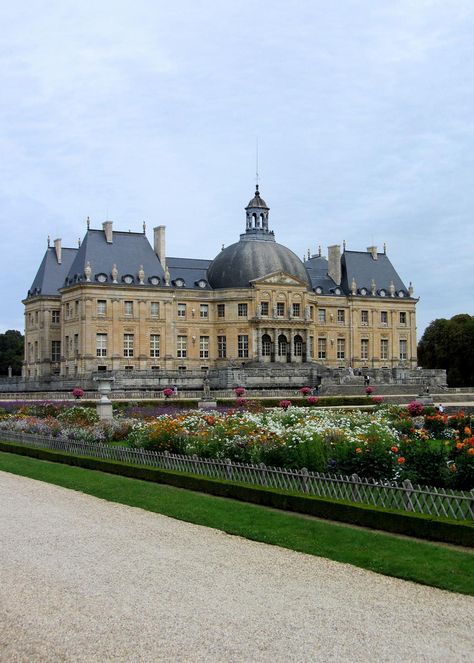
[[87, 580]]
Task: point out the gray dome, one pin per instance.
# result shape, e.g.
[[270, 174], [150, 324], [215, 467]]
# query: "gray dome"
[[252, 258]]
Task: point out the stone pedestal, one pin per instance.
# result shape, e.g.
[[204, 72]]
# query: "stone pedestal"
[[207, 405], [104, 406]]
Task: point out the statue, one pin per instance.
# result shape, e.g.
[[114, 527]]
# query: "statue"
[[88, 271], [167, 276], [141, 275], [206, 388], [114, 273]]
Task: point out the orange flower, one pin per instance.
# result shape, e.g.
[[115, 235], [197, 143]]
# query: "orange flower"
[[467, 430], [394, 449], [459, 445], [401, 460], [471, 451], [358, 450]]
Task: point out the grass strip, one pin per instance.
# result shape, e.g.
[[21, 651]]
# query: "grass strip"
[[418, 561]]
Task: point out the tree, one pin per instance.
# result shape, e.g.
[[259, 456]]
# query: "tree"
[[11, 351], [449, 344]]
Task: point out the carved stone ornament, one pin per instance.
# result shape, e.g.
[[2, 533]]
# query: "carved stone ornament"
[[353, 286], [114, 273], [392, 289], [410, 289], [88, 271], [167, 276], [141, 275], [373, 287]]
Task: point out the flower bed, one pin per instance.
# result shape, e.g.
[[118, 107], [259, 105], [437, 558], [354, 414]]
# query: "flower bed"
[[387, 443]]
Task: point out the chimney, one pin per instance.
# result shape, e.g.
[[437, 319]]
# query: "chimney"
[[57, 248], [107, 226], [334, 263], [373, 251], [159, 244]]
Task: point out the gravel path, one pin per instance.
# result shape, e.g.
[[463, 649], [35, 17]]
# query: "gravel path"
[[87, 580]]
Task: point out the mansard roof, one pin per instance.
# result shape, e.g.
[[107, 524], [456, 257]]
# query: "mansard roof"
[[51, 274]]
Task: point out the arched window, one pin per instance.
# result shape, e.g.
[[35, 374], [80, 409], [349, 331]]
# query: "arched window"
[[262, 219], [298, 345], [254, 220], [266, 345], [282, 345]]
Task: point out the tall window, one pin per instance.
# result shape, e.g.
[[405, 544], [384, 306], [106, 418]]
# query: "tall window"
[[154, 345], [76, 345], [204, 311], [384, 348], [243, 345], [403, 317], [341, 316], [322, 348], [403, 349], [128, 342], [101, 307], [204, 347], [321, 315], [311, 312], [264, 308], [221, 347], [55, 351], [242, 311], [296, 310], [101, 345], [55, 317], [182, 347], [341, 348], [282, 345], [221, 310], [128, 308], [266, 345], [311, 346], [364, 318], [66, 343], [384, 318], [181, 310], [364, 348], [280, 309], [298, 346], [155, 309]]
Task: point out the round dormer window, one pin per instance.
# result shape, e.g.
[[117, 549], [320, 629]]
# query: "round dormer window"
[[128, 279], [179, 283], [202, 283], [102, 278], [154, 280], [363, 291], [382, 293], [319, 290], [337, 291], [401, 293]]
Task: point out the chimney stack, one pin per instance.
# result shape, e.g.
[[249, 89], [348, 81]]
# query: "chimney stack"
[[57, 248], [107, 227], [373, 251], [159, 244], [334, 263]]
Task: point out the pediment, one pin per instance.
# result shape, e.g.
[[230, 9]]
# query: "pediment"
[[279, 278]]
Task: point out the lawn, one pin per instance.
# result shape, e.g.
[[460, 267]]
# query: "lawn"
[[426, 563]]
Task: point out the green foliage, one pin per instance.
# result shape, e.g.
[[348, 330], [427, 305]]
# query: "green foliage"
[[425, 461], [78, 416], [449, 344], [11, 351]]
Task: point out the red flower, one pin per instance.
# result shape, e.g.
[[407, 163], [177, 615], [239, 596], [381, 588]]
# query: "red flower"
[[401, 460]]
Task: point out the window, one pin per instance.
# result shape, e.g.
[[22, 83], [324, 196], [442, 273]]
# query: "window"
[[280, 310], [384, 348], [264, 308], [128, 340], [76, 308], [221, 310], [128, 308], [341, 316], [182, 346], [296, 310], [266, 345], [311, 346], [68, 311], [321, 315], [76, 345], [204, 311], [298, 346], [243, 344], [55, 351], [403, 349], [154, 345], [181, 310], [403, 318], [384, 318], [221, 347], [364, 318], [101, 307], [55, 317], [341, 348], [203, 347], [242, 311], [155, 309], [311, 312], [322, 348], [101, 345], [364, 348], [282, 345]]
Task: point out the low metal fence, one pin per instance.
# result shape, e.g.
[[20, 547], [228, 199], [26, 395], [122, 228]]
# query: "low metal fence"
[[403, 496]]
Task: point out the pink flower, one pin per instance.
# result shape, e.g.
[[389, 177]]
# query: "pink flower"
[[305, 391], [239, 391], [77, 392], [284, 404], [312, 400], [369, 390]]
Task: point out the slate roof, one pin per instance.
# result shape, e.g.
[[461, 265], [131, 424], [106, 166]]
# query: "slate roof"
[[363, 268], [191, 270], [128, 251], [317, 268], [50, 276]]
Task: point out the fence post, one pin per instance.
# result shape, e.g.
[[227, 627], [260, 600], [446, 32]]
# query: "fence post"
[[471, 504], [263, 470], [304, 479], [408, 490], [229, 471], [355, 487]]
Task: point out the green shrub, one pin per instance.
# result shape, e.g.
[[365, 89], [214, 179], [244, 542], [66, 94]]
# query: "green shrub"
[[425, 461]]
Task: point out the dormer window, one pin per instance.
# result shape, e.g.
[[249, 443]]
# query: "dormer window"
[[128, 279], [101, 278], [179, 283], [337, 291], [154, 280], [202, 283], [319, 290], [401, 294], [382, 293], [363, 291]]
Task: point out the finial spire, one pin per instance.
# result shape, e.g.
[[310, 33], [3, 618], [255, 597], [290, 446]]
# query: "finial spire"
[[256, 164], [343, 244], [49, 241], [144, 227], [88, 221]]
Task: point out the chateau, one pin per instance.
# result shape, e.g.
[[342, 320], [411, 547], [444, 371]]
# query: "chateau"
[[116, 303]]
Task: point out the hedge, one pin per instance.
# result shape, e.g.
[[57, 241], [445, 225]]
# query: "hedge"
[[396, 522]]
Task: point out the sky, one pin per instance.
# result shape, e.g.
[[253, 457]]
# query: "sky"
[[150, 111]]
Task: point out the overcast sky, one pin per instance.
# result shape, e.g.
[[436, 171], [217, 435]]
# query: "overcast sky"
[[133, 111]]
